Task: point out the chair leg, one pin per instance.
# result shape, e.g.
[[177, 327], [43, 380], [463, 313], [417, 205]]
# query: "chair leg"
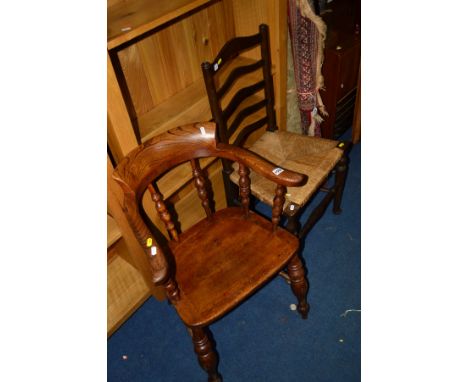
[[207, 356], [340, 177], [299, 284], [292, 224]]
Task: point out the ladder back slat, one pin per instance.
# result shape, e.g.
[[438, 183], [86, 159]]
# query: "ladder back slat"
[[235, 74], [243, 114], [233, 47], [247, 130], [240, 96]]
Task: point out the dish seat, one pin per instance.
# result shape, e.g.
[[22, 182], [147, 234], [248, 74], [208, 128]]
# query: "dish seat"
[[223, 259]]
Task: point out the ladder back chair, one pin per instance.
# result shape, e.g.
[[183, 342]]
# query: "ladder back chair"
[[314, 156], [213, 266]]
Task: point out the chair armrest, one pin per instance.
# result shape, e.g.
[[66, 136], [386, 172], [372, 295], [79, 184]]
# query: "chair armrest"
[[262, 166]]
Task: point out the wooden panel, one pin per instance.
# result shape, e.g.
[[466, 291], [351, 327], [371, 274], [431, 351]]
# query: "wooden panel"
[[126, 291], [248, 15], [127, 20], [115, 199], [170, 58], [349, 72], [221, 24], [199, 39], [135, 78], [112, 3], [120, 134], [153, 61], [113, 231], [187, 106]]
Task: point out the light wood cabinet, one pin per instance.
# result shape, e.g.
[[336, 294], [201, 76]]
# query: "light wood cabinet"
[[126, 287], [155, 49]]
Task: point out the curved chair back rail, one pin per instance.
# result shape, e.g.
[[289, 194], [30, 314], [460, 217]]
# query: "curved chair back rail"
[[136, 172]]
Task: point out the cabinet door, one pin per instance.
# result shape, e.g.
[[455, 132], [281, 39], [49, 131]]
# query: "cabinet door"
[[349, 68]]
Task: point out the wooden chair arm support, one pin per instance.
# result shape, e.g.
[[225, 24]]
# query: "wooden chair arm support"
[[262, 166], [154, 254]]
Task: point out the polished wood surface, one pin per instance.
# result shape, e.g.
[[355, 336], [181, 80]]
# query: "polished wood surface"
[[222, 260], [341, 65], [130, 19], [206, 353], [148, 161], [213, 266]]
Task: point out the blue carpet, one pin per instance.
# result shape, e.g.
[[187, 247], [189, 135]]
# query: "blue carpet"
[[263, 340]]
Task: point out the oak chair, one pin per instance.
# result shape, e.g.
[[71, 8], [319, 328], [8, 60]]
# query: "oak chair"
[[316, 157], [217, 263]]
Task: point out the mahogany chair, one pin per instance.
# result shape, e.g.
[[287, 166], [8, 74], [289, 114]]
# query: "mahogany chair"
[[216, 264], [316, 157]]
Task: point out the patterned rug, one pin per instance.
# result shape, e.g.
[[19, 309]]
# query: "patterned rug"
[[307, 35]]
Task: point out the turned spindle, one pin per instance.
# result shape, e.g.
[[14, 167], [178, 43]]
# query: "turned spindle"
[[278, 203], [200, 184], [163, 213], [244, 187]]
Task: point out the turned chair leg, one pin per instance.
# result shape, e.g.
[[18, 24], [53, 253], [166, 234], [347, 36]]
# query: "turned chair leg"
[[340, 177], [299, 284], [292, 224], [207, 356]]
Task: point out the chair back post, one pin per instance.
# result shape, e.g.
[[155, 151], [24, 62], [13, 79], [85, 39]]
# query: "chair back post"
[[215, 106], [221, 127], [269, 88]]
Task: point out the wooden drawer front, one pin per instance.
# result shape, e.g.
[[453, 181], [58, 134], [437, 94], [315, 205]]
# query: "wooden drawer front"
[[344, 114], [349, 68]]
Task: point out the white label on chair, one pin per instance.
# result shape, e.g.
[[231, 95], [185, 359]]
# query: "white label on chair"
[[154, 250], [215, 66], [291, 207], [202, 130], [277, 170]]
